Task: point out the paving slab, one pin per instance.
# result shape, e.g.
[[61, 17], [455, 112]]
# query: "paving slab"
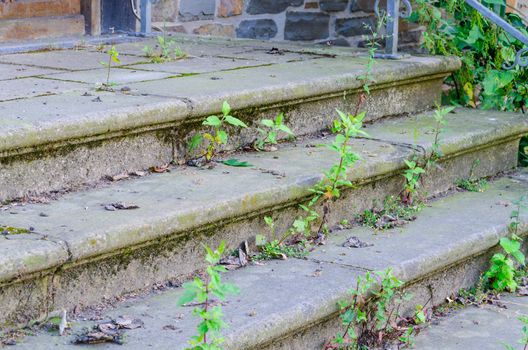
[[486, 327], [118, 76], [34, 87], [283, 298], [15, 71], [67, 59]]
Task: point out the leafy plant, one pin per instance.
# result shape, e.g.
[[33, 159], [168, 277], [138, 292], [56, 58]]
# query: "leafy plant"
[[440, 123], [113, 56], [393, 214], [168, 51], [372, 313], [504, 266], [276, 248], [219, 134], [271, 131], [210, 312], [412, 177], [454, 28]]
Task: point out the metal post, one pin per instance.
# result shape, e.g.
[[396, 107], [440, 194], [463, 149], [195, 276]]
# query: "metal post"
[[393, 16], [146, 17]]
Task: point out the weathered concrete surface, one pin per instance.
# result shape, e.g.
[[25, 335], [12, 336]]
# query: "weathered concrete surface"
[[487, 327], [306, 83], [293, 304], [178, 211]]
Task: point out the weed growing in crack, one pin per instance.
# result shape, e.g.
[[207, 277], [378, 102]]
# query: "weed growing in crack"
[[113, 56], [392, 214], [209, 310], [472, 184], [505, 266], [412, 176], [168, 51], [270, 131], [10, 230], [371, 317], [219, 135]]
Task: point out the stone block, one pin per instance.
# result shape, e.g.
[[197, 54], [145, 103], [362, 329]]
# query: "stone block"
[[333, 5], [306, 26], [215, 29], [354, 26], [229, 8], [257, 29], [256, 7], [191, 10]]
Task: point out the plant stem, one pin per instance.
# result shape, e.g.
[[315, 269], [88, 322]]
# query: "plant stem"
[[108, 70]]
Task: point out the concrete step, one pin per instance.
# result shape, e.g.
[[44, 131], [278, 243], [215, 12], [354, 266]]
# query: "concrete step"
[[41, 27], [79, 252], [486, 327], [68, 134], [293, 304]]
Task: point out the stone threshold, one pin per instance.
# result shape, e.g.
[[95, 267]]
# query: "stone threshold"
[[77, 245], [293, 304]]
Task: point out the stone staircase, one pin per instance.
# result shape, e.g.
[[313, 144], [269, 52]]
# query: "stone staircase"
[[56, 144]]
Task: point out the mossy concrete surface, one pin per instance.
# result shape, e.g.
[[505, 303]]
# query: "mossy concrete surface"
[[59, 132], [293, 304], [81, 251]]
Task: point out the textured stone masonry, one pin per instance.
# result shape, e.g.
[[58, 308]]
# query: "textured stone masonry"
[[335, 22]]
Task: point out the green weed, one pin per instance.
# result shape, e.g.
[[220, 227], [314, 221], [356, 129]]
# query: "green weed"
[[209, 312], [113, 56], [219, 135], [167, 51], [393, 214], [271, 130]]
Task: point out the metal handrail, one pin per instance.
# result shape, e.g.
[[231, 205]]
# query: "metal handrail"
[[393, 15]]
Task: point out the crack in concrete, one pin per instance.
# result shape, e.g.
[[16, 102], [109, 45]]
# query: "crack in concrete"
[[353, 267]]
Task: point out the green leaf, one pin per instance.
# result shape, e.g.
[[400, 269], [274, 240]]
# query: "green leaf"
[[237, 163], [212, 120], [285, 129], [267, 122], [226, 108], [195, 142], [222, 136], [260, 240], [235, 121]]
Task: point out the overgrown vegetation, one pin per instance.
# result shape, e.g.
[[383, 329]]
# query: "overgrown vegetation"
[[454, 28], [371, 317], [392, 214], [209, 311]]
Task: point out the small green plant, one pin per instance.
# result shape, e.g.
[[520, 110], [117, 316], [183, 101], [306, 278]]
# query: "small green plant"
[[440, 123], [372, 312], [210, 312], [219, 134], [113, 56], [412, 176], [524, 339], [473, 184], [168, 51], [504, 266], [276, 248], [393, 214], [271, 131]]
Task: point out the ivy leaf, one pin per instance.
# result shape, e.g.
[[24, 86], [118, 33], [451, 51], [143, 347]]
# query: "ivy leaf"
[[236, 163]]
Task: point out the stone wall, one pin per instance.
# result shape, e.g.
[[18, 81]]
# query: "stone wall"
[[341, 22]]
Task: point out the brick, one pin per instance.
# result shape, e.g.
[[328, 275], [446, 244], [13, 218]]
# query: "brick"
[[306, 26], [333, 5], [25, 9], [229, 8], [257, 29], [256, 7], [215, 29]]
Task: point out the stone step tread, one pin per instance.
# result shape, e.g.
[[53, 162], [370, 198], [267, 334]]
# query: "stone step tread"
[[487, 327], [155, 100], [78, 227], [281, 298]]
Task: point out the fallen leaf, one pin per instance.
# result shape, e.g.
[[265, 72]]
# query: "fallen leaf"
[[354, 242], [128, 322], [120, 206], [236, 163], [118, 177], [160, 169]]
